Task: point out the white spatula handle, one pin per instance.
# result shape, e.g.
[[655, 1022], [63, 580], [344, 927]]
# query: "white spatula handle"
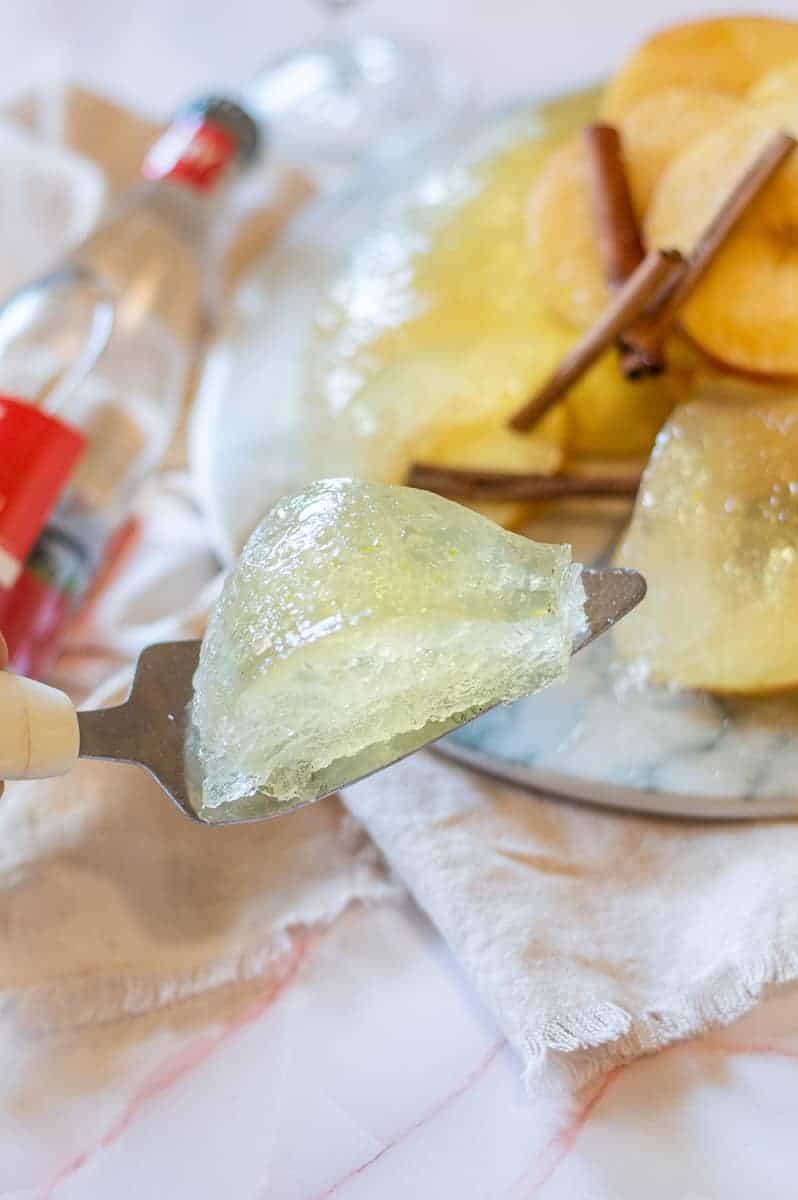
[[38, 729]]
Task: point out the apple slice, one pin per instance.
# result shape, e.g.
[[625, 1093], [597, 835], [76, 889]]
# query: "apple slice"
[[727, 54], [660, 127], [779, 84], [612, 417], [563, 248], [560, 223], [745, 310], [487, 448], [715, 532]]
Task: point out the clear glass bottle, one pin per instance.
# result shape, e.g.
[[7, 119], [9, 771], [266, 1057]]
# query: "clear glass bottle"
[[148, 260], [52, 333]]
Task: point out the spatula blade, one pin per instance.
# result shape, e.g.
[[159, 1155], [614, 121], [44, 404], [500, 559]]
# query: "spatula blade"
[[153, 727]]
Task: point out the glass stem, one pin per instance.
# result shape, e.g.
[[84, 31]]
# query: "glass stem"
[[338, 27]]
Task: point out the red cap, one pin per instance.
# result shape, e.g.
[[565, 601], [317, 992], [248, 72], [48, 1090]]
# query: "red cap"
[[37, 456], [193, 150]]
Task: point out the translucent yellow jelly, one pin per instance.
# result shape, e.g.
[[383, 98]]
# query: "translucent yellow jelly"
[[361, 620], [431, 328], [715, 532]]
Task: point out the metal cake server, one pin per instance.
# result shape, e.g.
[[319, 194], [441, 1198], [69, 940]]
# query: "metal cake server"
[[41, 734]]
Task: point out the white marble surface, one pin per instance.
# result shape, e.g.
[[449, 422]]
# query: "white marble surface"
[[373, 1073]]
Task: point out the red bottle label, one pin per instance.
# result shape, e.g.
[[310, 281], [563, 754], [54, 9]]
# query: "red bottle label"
[[37, 456], [193, 151], [37, 613], [34, 617]]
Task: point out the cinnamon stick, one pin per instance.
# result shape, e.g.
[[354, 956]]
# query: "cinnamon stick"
[[662, 293], [620, 245], [653, 327], [619, 240], [459, 484], [645, 284]]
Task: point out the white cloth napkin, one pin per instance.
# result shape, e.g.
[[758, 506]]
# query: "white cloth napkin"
[[113, 904], [594, 937]]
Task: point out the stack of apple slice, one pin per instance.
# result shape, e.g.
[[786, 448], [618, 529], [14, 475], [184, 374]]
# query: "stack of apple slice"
[[693, 105], [715, 529]]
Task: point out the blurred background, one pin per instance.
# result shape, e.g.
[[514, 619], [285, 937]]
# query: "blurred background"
[[154, 53]]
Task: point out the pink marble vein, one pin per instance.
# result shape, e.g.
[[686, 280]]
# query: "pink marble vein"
[[560, 1146], [474, 1074], [546, 1164], [176, 1066], [557, 1150], [754, 1049]]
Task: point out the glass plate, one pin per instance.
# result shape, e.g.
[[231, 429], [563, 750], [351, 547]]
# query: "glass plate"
[[603, 737]]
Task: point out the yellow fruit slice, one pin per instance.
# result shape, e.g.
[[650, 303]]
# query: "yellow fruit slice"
[[611, 417], [422, 400], [745, 310], [497, 448], [726, 54], [451, 405], [562, 238], [488, 447], [660, 127], [715, 532], [779, 84], [563, 249], [430, 339]]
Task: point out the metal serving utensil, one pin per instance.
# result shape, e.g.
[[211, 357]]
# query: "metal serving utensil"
[[42, 735]]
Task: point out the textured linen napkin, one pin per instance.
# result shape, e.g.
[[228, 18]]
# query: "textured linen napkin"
[[112, 904], [594, 937]]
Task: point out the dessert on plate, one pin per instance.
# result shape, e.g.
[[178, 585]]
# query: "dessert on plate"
[[715, 532]]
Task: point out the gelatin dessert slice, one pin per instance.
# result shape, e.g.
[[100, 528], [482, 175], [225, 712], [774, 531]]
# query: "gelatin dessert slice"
[[361, 620], [715, 531]]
